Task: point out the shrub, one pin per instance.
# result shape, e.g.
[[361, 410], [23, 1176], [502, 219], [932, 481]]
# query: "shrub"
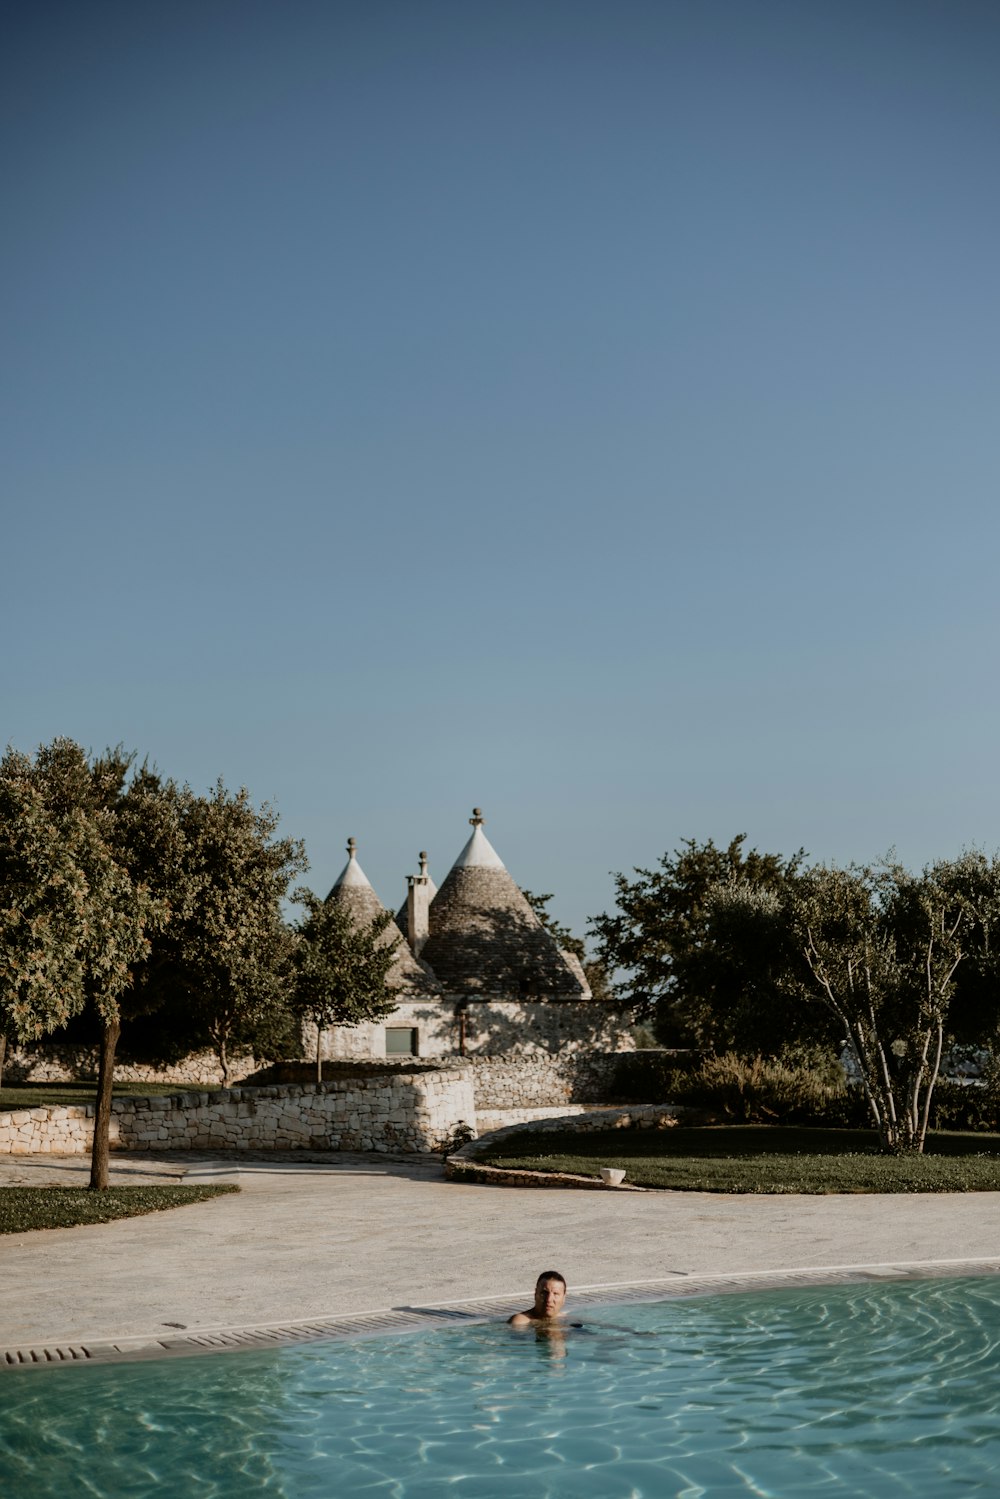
[[649, 1076], [966, 1106], [755, 1090], [799, 1087]]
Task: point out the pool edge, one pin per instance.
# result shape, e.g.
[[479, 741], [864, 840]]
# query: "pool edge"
[[421, 1317]]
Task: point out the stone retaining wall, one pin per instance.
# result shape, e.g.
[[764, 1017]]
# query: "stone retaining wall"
[[463, 1163], [488, 1120], [66, 1064], [415, 1111], [537, 1082], [639, 1116]]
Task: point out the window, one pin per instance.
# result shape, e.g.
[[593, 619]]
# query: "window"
[[401, 1041]]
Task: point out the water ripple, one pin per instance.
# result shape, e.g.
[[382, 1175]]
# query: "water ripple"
[[876, 1389]]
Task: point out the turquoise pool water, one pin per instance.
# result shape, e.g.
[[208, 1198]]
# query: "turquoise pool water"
[[880, 1390]]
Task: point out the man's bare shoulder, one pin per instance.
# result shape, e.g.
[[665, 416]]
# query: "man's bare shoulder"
[[521, 1319]]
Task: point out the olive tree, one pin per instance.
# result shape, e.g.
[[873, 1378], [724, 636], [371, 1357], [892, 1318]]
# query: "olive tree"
[[121, 892], [74, 924]]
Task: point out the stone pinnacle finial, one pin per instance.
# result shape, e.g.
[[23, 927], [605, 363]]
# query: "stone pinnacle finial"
[[351, 846], [423, 864], [477, 819]]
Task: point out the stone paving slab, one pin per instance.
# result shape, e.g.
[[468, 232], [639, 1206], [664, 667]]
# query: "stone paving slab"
[[342, 1237], [74, 1170]]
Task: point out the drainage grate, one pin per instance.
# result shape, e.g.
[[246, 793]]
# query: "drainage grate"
[[68, 1353]]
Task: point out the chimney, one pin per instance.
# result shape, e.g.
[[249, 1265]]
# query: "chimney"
[[418, 905]]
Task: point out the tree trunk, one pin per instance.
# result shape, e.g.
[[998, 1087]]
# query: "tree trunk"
[[931, 1084], [3, 1053], [861, 1058], [224, 1061], [319, 1053], [110, 1031]]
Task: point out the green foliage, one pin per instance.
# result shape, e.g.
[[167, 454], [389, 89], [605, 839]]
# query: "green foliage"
[[879, 949], [974, 1016], [882, 947], [226, 958], [747, 953], [758, 1089], [270, 1034], [75, 918], [964, 1106], [650, 1076], [118, 888], [44, 911], [700, 992], [26, 1208], [340, 967], [601, 988], [804, 1087], [752, 1159], [74, 923]]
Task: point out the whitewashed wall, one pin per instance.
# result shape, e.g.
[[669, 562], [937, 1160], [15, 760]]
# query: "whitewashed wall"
[[508, 1027]]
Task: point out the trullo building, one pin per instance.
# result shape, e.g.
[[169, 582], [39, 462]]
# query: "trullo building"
[[475, 969]]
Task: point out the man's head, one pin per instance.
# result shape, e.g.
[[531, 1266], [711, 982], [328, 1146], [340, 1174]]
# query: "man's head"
[[550, 1293]]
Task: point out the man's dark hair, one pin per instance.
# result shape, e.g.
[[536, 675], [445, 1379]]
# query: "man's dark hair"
[[550, 1275]]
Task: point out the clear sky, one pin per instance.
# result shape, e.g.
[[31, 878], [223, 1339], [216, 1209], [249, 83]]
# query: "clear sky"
[[588, 411]]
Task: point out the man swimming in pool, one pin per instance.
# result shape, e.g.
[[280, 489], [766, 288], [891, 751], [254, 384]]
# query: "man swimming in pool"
[[550, 1293]]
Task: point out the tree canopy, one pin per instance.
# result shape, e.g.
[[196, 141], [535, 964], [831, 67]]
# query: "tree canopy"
[[119, 888], [880, 950], [698, 991], [758, 953], [229, 949], [75, 921]]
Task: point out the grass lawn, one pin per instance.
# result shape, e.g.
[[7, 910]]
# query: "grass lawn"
[[755, 1158], [22, 1208], [38, 1095]]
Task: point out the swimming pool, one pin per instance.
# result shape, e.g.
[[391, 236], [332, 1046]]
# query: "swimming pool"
[[881, 1390]]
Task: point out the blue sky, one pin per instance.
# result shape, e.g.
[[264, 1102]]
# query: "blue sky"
[[586, 411]]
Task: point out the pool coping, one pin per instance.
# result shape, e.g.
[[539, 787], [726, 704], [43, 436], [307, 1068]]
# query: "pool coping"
[[404, 1319]]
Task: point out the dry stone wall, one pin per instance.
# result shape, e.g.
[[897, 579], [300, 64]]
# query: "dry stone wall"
[[416, 1111], [538, 1082], [65, 1064]]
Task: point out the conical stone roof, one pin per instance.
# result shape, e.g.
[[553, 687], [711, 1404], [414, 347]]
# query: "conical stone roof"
[[486, 939], [353, 890]]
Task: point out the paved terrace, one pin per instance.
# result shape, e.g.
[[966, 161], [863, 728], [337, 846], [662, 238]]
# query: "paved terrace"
[[338, 1235]]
